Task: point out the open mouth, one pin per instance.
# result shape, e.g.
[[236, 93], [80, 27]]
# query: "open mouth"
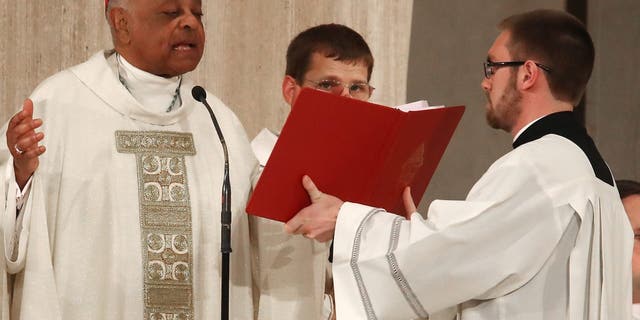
[[183, 46]]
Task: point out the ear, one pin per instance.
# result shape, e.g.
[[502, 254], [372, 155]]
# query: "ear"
[[289, 89], [119, 21], [530, 75]]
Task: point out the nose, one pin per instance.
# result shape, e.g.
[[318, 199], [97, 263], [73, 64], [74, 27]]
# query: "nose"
[[345, 92], [191, 20], [485, 84]]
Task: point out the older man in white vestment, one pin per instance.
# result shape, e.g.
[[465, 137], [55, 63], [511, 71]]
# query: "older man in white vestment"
[[291, 270], [121, 216], [542, 235]]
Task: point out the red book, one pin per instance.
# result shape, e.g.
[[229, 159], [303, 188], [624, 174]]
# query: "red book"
[[355, 150]]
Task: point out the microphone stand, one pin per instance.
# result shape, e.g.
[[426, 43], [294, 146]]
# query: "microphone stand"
[[225, 233]]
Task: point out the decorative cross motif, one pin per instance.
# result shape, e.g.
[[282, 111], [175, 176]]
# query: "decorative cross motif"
[[165, 220]]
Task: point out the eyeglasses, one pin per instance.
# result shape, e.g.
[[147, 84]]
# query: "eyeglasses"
[[490, 68], [357, 90]]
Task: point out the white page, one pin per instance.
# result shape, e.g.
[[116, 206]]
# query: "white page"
[[416, 106]]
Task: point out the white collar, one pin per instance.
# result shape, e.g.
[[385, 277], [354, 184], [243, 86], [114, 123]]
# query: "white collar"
[[153, 92], [99, 75]]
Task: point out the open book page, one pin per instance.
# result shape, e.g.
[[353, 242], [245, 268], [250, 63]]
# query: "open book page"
[[416, 106], [263, 144]]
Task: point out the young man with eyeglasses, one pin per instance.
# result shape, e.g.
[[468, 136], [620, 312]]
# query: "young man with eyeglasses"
[[293, 273], [542, 235]]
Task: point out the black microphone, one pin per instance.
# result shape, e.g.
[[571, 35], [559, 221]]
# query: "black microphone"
[[200, 95]]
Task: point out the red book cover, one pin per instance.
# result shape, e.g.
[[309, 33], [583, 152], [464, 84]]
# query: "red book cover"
[[355, 150]]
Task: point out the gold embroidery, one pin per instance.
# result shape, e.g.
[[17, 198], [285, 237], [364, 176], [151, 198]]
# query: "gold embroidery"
[[165, 220]]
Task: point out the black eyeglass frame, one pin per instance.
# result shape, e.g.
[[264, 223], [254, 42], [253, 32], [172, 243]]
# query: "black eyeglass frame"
[[488, 73]]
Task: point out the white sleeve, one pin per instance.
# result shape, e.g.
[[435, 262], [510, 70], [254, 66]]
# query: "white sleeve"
[[23, 195], [15, 229], [389, 267], [5, 293]]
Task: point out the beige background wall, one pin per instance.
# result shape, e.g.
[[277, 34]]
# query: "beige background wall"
[[244, 57], [613, 96]]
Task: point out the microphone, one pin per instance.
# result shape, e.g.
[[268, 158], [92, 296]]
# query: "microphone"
[[200, 95]]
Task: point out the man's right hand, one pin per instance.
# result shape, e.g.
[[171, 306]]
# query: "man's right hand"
[[22, 141], [318, 220]]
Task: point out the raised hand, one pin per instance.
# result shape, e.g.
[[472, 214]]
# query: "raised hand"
[[22, 141], [317, 221]]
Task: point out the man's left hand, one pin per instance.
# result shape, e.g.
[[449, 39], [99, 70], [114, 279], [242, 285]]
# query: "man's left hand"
[[318, 220]]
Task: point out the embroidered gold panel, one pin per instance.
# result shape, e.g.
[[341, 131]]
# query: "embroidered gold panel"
[[165, 220]]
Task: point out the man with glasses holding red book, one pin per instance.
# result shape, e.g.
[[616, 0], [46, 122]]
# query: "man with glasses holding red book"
[[293, 273]]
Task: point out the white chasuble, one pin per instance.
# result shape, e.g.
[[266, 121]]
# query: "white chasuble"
[[123, 217], [540, 236]]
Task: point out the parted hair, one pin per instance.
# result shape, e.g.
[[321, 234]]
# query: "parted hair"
[[334, 41], [558, 40]]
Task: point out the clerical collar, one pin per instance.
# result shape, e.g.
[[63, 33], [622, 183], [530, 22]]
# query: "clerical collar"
[[160, 94], [566, 125], [525, 128], [558, 122]]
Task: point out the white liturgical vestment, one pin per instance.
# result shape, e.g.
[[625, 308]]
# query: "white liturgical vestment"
[[290, 269], [635, 309], [123, 216], [542, 235]]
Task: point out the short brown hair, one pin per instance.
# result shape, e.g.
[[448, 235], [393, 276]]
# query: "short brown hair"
[[334, 41], [558, 40], [627, 188]]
